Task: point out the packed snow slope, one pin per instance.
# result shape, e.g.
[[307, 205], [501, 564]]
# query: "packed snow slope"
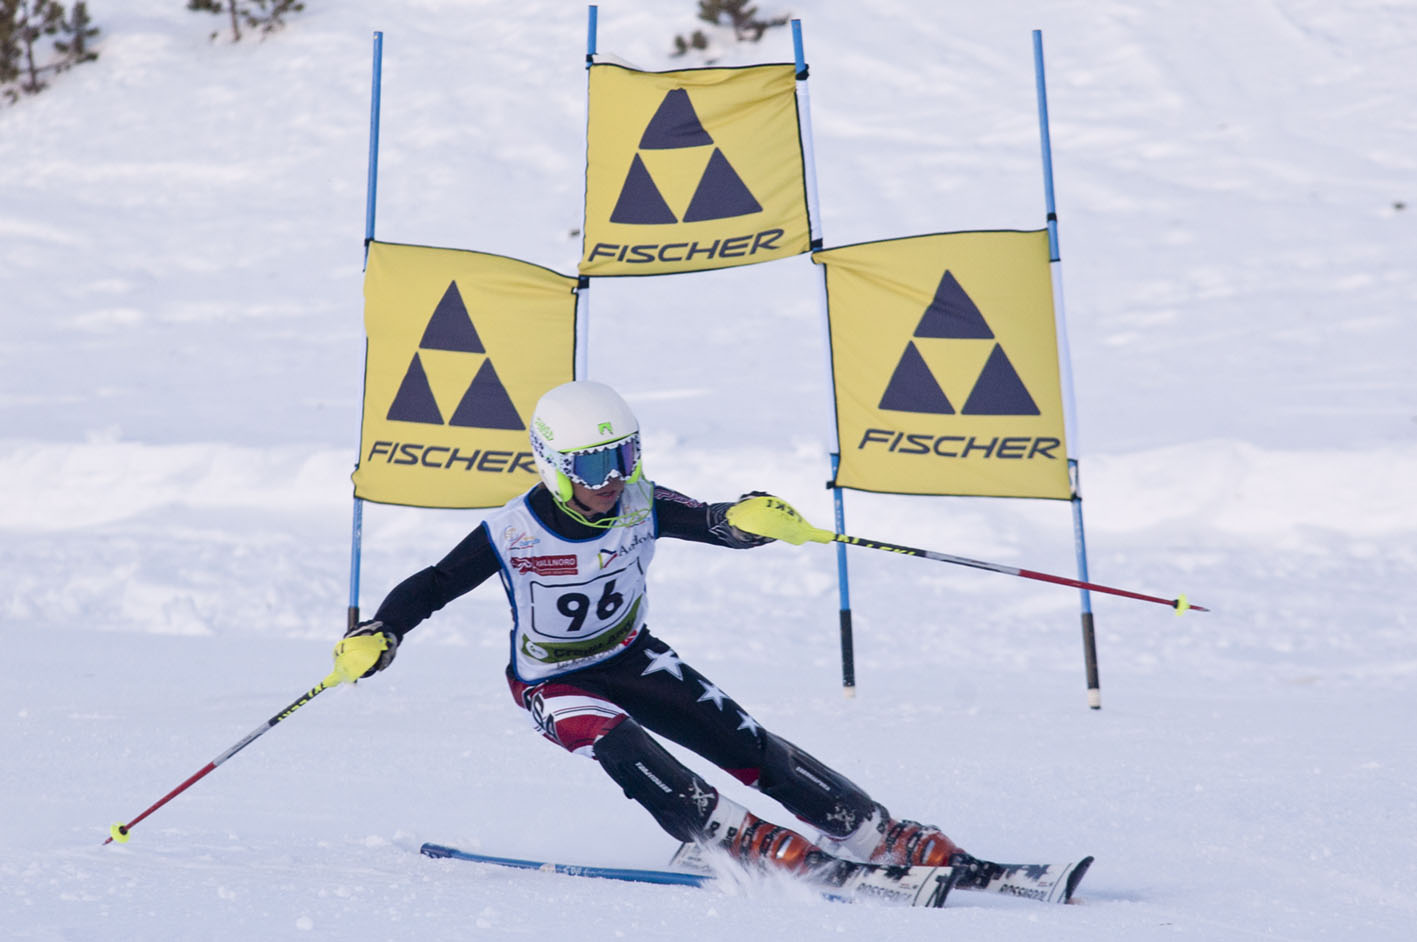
[[181, 357]]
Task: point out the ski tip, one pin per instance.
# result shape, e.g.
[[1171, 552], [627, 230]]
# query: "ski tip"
[[1075, 877]]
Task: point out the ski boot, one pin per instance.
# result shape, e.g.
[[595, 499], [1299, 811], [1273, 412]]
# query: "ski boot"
[[886, 841], [758, 844], [912, 844]]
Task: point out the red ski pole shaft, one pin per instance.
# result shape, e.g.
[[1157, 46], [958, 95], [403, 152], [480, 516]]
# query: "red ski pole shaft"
[[774, 517], [1179, 604], [119, 832]]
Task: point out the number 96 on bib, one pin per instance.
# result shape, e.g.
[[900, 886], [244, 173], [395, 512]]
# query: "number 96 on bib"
[[586, 609]]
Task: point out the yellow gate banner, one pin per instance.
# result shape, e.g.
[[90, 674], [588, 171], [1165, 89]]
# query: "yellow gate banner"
[[945, 365], [461, 346], [692, 170]]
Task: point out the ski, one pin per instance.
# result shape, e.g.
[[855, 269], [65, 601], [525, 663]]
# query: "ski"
[[1047, 883], [665, 877], [839, 881]]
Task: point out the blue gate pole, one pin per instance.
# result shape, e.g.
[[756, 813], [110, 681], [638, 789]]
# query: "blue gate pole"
[[592, 25], [581, 369], [357, 528], [1089, 636], [804, 111]]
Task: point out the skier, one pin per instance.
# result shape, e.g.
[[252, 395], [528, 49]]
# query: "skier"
[[573, 553]]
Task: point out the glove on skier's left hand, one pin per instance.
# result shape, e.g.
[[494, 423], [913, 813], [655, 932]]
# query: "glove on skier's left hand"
[[726, 532]]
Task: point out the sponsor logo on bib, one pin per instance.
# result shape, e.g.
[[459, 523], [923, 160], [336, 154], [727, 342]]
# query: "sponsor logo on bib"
[[546, 565]]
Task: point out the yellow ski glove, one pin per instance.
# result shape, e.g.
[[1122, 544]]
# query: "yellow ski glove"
[[364, 651], [776, 518]]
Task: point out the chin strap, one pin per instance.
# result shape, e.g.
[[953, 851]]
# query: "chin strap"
[[604, 523]]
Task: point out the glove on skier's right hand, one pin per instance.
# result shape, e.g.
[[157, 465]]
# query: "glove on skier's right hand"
[[365, 650], [727, 533]]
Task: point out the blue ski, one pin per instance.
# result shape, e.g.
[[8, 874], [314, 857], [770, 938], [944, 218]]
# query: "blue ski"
[[667, 877]]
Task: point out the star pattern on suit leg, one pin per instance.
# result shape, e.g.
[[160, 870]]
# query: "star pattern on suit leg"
[[750, 724], [663, 661], [711, 692]]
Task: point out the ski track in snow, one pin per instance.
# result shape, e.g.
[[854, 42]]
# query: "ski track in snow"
[[180, 365]]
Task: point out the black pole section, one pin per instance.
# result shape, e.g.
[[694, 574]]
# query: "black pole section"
[[1089, 648], [848, 657]]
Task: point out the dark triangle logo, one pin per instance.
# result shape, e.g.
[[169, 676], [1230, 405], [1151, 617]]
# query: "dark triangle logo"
[[450, 327], [676, 124], [913, 388], [952, 315], [721, 193], [999, 390], [640, 203], [414, 401], [486, 403]]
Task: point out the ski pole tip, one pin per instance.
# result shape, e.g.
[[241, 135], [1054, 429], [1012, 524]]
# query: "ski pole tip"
[[117, 833]]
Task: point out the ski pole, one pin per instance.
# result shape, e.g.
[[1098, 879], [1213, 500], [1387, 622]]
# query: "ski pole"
[[349, 668], [773, 517], [119, 832]]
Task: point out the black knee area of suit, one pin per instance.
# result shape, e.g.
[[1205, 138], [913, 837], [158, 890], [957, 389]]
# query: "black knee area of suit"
[[677, 798], [810, 789]]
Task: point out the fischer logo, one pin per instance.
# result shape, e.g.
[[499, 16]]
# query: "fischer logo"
[[720, 193], [1015, 448], [487, 461], [649, 252], [546, 565]]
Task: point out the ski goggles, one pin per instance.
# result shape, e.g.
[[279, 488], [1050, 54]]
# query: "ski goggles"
[[595, 468]]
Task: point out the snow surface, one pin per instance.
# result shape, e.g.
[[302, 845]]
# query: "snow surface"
[[180, 368]]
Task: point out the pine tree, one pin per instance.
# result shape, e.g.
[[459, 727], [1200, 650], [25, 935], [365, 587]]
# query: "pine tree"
[[9, 42], [24, 24], [696, 40], [79, 29], [264, 15], [38, 18], [738, 14]]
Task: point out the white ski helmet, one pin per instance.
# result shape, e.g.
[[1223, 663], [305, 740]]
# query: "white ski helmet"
[[583, 431]]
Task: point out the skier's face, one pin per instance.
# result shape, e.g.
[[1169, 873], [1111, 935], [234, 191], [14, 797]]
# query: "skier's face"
[[600, 500]]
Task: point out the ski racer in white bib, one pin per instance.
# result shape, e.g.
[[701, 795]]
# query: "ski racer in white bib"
[[573, 553]]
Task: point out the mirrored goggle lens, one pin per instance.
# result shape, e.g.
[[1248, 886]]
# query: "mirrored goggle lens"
[[595, 468]]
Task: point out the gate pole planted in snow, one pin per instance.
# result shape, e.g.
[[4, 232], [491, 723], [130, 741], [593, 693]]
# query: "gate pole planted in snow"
[[357, 529], [1089, 638], [809, 168]]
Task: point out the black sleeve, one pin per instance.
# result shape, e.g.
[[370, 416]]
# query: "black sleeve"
[[471, 563], [684, 518]]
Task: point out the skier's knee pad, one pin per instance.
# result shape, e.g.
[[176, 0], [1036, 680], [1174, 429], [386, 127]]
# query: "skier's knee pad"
[[810, 789], [677, 798]]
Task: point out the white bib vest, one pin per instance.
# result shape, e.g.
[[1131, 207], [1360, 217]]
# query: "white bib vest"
[[574, 602]]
